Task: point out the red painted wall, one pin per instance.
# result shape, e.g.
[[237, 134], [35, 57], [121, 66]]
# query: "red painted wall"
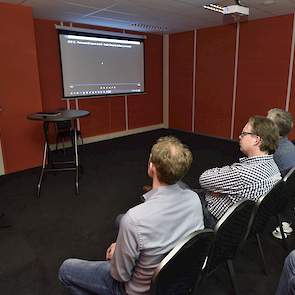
[[181, 57], [21, 139], [147, 109], [262, 76], [214, 80], [292, 97], [107, 113], [264, 58]]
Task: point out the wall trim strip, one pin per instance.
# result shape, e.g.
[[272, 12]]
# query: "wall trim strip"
[[126, 113], [290, 67], [194, 81], [235, 81], [166, 80]]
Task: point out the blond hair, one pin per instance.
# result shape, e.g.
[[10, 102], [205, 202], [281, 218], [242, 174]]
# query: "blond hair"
[[171, 158]]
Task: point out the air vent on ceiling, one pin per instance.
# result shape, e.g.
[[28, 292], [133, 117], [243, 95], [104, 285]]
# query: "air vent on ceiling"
[[149, 28]]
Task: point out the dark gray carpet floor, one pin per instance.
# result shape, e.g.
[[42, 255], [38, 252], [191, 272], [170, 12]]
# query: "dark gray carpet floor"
[[59, 225]]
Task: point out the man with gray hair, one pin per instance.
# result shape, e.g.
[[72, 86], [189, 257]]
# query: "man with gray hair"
[[147, 232], [284, 155]]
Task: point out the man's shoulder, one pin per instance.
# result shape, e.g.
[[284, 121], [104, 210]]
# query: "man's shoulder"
[[262, 166], [285, 147], [162, 200]]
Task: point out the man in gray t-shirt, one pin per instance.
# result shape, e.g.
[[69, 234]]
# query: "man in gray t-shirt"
[[147, 232], [284, 155]]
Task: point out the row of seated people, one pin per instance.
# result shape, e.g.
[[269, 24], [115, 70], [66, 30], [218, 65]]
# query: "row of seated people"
[[170, 212]]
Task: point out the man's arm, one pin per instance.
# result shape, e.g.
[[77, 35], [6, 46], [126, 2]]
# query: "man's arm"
[[126, 250], [222, 180]]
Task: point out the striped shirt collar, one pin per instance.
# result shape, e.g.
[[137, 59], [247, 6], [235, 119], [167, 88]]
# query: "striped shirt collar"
[[255, 159]]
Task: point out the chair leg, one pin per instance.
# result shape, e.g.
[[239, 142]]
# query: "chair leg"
[[284, 240], [233, 278], [199, 284], [258, 240], [63, 145]]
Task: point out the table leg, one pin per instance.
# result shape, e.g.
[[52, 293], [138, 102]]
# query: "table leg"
[[76, 161], [43, 168]]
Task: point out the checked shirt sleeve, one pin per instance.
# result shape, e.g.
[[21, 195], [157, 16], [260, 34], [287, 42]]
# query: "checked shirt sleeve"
[[225, 180]]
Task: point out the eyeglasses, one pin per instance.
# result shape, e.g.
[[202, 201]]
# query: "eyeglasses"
[[244, 133]]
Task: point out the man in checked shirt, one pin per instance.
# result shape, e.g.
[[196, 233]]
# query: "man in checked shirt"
[[253, 176]]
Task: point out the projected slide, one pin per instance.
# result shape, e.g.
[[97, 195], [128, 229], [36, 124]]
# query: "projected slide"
[[100, 65]]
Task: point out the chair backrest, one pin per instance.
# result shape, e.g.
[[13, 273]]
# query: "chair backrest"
[[289, 181], [230, 232], [267, 206], [180, 270]]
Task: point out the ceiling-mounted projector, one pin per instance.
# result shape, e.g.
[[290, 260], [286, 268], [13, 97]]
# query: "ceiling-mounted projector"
[[229, 7], [236, 10]]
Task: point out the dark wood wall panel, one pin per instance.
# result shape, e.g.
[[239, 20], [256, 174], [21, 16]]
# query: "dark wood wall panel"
[[21, 139], [264, 58], [181, 49], [292, 96], [147, 109], [262, 77], [214, 80]]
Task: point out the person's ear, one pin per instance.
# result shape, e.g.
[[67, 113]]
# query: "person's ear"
[[258, 140], [152, 167]]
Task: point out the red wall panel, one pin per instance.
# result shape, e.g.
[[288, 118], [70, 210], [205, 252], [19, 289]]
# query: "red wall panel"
[[147, 109], [49, 64], [263, 67], [20, 95], [106, 115], [292, 98], [214, 80], [181, 57]]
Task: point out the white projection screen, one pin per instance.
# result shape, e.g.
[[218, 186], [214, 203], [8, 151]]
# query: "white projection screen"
[[100, 63]]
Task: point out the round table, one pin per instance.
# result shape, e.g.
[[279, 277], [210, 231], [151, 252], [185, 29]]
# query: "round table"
[[48, 164]]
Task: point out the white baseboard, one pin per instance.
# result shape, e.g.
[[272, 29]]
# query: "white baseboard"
[[102, 137]]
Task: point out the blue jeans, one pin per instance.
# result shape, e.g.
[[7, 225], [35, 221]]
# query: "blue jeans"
[[209, 220], [84, 277], [287, 281]]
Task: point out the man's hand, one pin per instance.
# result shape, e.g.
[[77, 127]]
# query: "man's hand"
[[110, 251], [215, 194]]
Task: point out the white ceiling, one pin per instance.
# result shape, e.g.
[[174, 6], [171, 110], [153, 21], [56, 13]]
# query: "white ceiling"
[[148, 15]]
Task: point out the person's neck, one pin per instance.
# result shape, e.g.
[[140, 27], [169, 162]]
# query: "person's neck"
[[157, 183], [257, 153]]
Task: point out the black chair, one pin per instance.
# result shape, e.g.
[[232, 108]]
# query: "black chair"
[[179, 271], [289, 180], [268, 206], [229, 232], [65, 131]]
